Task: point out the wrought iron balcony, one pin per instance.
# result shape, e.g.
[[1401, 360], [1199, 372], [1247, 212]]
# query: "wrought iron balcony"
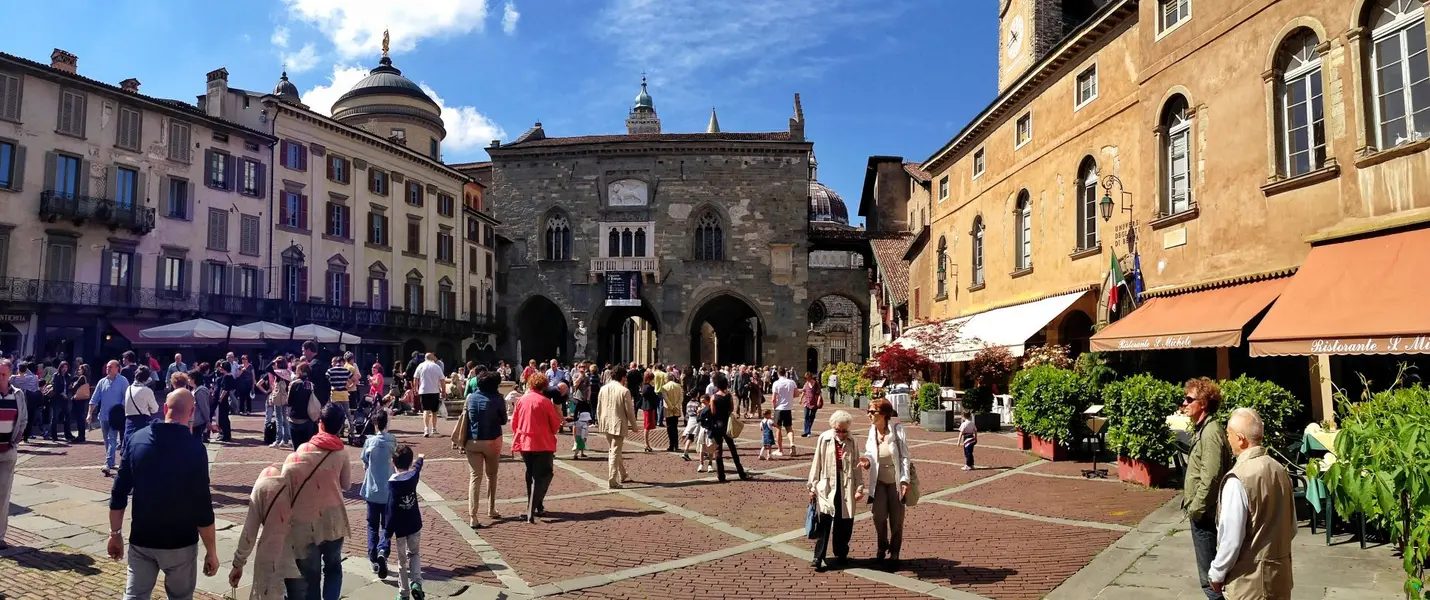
[[641, 264], [56, 205], [130, 299]]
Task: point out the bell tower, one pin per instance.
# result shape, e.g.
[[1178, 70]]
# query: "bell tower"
[[1029, 29], [643, 118]]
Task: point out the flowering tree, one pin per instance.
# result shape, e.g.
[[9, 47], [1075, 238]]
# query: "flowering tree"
[[897, 363], [991, 365], [1051, 354]]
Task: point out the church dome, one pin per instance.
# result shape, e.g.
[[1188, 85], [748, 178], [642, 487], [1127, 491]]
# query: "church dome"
[[643, 100], [826, 206], [385, 80], [286, 91]]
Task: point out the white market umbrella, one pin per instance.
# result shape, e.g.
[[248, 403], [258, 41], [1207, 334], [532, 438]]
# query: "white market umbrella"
[[324, 335], [198, 329], [270, 331]]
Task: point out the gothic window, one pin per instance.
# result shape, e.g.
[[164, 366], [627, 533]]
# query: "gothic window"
[[1401, 70], [558, 238], [1023, 232], [977, 235], [1087, 204], [1303, 130], [1177, 154], [640, 241], [613, 243], [942, 267], [709, 238], [627, 242]]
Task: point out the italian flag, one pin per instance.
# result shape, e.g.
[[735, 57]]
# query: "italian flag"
[[1114, 282]]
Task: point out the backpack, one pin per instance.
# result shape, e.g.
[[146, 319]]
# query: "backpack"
[[280, 391]]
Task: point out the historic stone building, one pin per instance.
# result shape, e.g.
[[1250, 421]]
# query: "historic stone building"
[[665, 247], [1227, 145]]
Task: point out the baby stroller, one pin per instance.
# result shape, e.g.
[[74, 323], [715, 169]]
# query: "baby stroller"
[[360, 421]]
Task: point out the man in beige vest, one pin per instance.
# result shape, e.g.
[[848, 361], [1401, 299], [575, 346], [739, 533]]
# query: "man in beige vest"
[[1256, 519], [616, 412]]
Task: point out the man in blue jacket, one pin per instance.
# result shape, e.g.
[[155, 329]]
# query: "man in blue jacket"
[[377, 457]]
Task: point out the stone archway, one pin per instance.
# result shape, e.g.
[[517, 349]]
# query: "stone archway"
[[735, 326], [542, 331], [625, 334], [838, 328], [1075, 332]]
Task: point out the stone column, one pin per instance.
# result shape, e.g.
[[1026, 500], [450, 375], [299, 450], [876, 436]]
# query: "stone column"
[[1323, 407], [1223, 363]]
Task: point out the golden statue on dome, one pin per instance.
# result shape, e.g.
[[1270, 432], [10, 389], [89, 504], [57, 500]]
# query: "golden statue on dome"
[[385, 40]]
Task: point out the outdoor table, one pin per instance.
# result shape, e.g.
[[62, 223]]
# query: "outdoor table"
[[1317, 494]]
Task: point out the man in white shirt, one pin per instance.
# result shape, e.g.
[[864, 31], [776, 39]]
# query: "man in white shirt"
[[1256, 520], [784, 412], [833, 387], [429, 390]]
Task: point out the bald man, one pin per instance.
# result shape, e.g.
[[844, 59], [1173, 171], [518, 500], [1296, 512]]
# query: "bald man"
[[1256, 521], [167, 471]]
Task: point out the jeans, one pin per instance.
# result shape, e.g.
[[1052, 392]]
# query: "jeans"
[[1204, 544], [180, 567], [672, 431], [377, 544], [722, 435], [538, 478], [60, 411], [225, 427], [809, 419], [111, 440], [841, 527], [322, 570], [78, 410], [968, 455], [36, 426], [302, 432], [409, 563], [280, 423]]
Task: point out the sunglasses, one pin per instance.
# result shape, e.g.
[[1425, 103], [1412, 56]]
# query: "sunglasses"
[[1188, 400]]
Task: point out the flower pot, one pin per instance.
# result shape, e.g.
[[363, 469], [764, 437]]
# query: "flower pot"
[[1142, 472], [938, 420], [1025, 441], [1049, 449], [988, 421]]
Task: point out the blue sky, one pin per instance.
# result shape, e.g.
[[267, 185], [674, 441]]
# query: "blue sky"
[[895, 77]]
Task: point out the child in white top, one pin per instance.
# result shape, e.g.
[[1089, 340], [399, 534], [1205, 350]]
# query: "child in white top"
[[692, 425], [968, 434], [767, 434], [578, 431]]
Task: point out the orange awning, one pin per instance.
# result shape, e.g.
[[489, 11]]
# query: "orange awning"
[[1207, 319], [1364, 296]]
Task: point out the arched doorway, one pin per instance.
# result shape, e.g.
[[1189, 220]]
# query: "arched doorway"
[[811, 362], [447, 353], [541, 330], [1075, 331], [410, 346], [735, 334], [837, 326], [626, 334]]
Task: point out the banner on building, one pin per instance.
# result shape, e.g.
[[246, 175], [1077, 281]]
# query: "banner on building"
[[623, 288]]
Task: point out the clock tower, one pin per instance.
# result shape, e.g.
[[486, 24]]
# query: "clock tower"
[[1028, 29]]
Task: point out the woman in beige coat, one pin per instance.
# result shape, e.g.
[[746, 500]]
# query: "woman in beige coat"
[[834, 487]]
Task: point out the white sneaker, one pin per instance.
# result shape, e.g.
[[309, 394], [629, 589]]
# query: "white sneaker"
[[700, 469], [777, 453], [967, 468]]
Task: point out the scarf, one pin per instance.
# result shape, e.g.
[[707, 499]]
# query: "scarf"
[[326, 441]]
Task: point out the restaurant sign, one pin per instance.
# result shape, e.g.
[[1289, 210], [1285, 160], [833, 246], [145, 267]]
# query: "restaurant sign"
[[1207, 339], [10, 318], [1418, 344]]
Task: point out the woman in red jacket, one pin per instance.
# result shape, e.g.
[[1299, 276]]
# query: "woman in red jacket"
[[535, 423]]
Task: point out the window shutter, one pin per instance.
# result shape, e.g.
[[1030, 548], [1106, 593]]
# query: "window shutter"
[[302, 284], [159, 263], [230, 179], [235, 279], [302, 211], [369, 229], [260, 291], [283, 152], [17, 181], [64, 122], [205, 272], [302, 158], [283, 208], [372, 180], [383, 302], [80, 109], [347, 289], [112, 185], [329, 162], [84, 178], [106, 266], [186, 277], [141, 189], [136, 272], [189, 200], [262, 179], [208, 167]]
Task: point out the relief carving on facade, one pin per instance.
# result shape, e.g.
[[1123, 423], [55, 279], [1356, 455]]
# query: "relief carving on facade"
[[627, 192]]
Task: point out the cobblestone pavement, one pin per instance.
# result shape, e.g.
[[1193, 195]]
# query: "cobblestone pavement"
[[1016, 528]]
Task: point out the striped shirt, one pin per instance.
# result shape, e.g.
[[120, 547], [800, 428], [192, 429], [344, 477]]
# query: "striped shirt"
[[338, 381]]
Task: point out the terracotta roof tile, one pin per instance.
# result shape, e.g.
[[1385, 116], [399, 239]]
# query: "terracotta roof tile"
[[889, 254], [912, 168], [773, 136]]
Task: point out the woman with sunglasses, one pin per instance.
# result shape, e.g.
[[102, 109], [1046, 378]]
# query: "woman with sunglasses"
[[886, 460], [834, 488]]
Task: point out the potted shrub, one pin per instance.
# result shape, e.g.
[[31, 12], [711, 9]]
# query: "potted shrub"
[[932, 415], [1136, 409], [1278, 408], [979, 401], [894, 364], [1049, 408]]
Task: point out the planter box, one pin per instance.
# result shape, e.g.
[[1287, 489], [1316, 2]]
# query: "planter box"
[[1025, 441], [988, 421], [1142, 472], [938, 420], [1049, 449]]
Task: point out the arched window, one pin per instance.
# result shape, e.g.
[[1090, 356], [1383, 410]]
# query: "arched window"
[[640, 241], [1302, 127], [942, 266], [558, 238], [1087, 204], [627, 242], [1400, 71], [613, 243], [1177, 152], [977, 235], [709, 238], [1023, 232]]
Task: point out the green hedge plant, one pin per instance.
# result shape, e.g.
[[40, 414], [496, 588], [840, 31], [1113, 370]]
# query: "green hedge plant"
[[1277, 406], [1136, 409], [851, 380], [1050, 402], [978, 399], [929, 399]]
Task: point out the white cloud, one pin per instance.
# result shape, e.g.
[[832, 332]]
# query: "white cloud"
[[355, 26], [678, 39], [280, 37], [509, 17], [467, 128], [304, 59]]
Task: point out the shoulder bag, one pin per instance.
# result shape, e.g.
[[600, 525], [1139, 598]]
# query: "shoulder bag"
[[911, 498]]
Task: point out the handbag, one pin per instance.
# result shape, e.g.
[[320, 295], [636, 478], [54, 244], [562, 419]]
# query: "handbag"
[[82, 392], [735, 426], [811, 521], [911, 498], [461, 432]]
